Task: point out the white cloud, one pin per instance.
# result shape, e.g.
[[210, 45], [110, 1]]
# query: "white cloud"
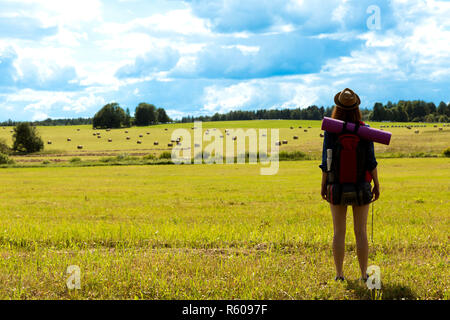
[[38, 116], [84, 103], [61, 12], [219, 99], [181, 22], [46, 102]]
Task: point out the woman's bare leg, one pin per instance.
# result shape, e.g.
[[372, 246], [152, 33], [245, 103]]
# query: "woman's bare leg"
[[360, 226], [339, 223]]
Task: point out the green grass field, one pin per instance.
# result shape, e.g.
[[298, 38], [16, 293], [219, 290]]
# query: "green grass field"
[[405, 142], [215, 232]]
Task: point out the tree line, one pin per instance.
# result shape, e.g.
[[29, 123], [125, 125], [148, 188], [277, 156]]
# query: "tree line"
[[411, 111], [109, 116], [50, 122], [309, 113], [113, 116], [403, 111]]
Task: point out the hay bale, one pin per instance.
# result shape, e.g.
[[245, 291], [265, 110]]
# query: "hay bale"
[[285, 142], [78, 129], [68, 139], [79, 147], [99, 137], [126, 131], [109, 140], [128, 138], [292, 128], [94, 134], [278, 143], [441, 129], [166, 129], [170, 144], [234, 138], [141, 136], [416, 132], [139, 142], [108, 130], [305, 130], [156, 143], [321, 135], [148, 133], [49, 142], [295, 137]]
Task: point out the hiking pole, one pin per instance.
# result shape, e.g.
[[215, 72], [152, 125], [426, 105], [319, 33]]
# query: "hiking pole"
[[372, 222]]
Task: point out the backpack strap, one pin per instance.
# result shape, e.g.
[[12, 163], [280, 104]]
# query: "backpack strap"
[[357, 125], [355, 130]]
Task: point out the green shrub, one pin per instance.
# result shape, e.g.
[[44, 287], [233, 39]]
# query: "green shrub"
[[5, 159], [26, 138], [124, 157], [447, 152], [4, 147], [294, 155], [149, 157], [166, 155], [74, 160], [106, 159]]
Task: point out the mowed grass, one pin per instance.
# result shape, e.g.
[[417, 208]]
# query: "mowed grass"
[[215, 232], [429, 140]]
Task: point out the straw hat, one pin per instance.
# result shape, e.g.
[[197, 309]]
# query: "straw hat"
[[347, 99]]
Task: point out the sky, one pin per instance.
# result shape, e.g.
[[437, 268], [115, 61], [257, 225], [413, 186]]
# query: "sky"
[[66, 59]]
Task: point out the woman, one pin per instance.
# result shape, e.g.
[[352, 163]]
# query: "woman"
[[347, 109]]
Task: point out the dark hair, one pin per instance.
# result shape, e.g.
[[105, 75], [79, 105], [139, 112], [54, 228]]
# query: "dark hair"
[[340, 113]]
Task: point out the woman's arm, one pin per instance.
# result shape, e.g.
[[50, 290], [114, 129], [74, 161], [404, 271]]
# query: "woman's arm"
[[376, 187], [323, 166], [323, 191]]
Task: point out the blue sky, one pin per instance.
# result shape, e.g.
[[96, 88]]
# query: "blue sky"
[[64, 59]]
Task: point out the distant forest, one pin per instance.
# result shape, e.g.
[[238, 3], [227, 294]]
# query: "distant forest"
[[51, 122], [402, 111]]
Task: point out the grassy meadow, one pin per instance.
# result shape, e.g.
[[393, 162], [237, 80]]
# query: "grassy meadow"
[[430, 141], [215, 231]]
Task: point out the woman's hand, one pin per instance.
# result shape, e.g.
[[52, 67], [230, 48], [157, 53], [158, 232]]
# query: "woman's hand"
[[323, 192], [376, 192], [376, 185]]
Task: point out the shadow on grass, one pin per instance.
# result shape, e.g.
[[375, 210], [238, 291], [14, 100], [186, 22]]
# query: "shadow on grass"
[[388, 291]]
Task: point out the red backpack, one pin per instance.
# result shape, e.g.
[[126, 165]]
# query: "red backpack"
[[349, 180], [350, 158]]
